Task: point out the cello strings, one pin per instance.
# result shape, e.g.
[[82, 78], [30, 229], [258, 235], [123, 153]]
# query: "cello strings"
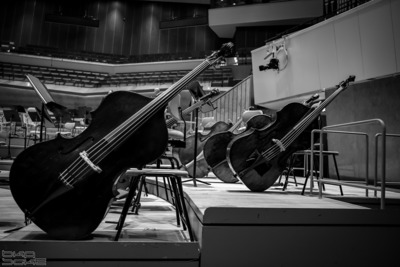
[[121, 135], [289, 138], [313, 115], [275, 149], [75, 169], [292, 135], [124, 128], [81, 162]]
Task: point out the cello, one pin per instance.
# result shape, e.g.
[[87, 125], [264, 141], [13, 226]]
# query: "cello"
[[214, 152], [216, 146], [64, 185], [202, 168], [259, 156], [186, 154]]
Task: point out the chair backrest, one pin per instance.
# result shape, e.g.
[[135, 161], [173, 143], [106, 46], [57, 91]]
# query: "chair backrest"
[[4, 135], [207, 122], [174, 106], [69, 125]]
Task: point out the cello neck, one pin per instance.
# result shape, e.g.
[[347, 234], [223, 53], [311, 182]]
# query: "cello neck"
[[126, 129], [299, 127], [290, 137], [173, 120], [235, 125]]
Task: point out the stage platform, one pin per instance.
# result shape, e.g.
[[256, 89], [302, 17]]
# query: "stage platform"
[[151, 238], [233, 227], [236, 227]]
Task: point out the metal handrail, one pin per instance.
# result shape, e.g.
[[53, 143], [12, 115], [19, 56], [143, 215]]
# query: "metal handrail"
[[325, 130], [376, 156], [345, 132], [231, 104]]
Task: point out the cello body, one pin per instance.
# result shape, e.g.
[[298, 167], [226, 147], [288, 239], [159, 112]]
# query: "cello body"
[[244, 152], [202, 168], [74, 214], [216, 146], [186, 154]]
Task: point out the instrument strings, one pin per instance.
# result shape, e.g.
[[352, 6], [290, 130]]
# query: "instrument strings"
[[121, 133], [289, 138]]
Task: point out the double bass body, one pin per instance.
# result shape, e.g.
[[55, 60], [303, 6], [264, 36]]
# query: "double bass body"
[[245, 152], [76, 213], [65, 185]]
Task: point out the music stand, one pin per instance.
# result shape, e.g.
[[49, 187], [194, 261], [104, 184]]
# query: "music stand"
[[34, 115], [11, 115], [47, 102], [197, 92]]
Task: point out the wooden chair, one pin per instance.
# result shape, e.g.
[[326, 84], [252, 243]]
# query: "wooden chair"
[[174, 178], [305, 155]]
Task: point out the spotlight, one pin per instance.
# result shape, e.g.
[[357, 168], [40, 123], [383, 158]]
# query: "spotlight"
[[272, 65]]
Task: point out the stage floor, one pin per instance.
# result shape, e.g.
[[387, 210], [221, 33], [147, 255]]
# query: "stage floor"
[[232, 225]]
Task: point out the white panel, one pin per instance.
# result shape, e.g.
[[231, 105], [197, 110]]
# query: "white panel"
[[348, 45], [395, 8], [377, 42], [264, 81], [364, 42], [300, 76], [326, 54], [304, 73]]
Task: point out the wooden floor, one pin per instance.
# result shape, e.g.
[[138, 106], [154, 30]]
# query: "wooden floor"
[[155, 221], [149, 238]]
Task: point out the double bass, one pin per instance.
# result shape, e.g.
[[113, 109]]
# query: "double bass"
[[216, 146], [258, 157], [65, 185]]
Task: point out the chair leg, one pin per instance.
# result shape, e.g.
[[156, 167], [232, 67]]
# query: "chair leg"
[[286, 179], [132, 188], [166, 189], [175, 202], [316, 160], [337, 173], [307, 172], [305, 183], [289, 169], [294, 178], [182, 206], [136, 203]]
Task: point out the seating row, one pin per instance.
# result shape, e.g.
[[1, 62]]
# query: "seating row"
[[243, 54], [51, 75]]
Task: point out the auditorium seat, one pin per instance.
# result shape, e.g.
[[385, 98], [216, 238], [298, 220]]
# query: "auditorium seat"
[[80, 78]]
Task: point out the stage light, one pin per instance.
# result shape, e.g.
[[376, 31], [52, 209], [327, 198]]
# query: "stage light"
[[272, 65], [232, 61]]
